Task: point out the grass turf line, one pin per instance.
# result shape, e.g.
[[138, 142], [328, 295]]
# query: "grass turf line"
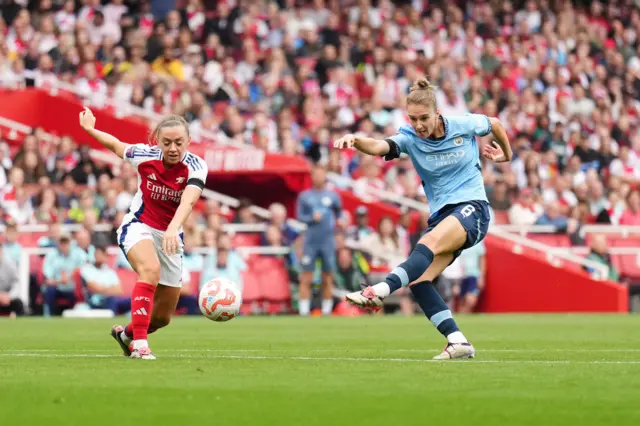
[[324, 371]]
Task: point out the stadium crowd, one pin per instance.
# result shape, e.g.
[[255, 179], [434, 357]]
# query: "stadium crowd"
[[291, 76]]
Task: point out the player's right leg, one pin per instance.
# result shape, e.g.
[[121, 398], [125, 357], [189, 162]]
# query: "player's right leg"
[[443, 237], [141, 252]]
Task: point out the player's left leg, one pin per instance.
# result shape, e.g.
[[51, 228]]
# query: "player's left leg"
[[165, 300], [165, 296], [446, 237], [438, 312]]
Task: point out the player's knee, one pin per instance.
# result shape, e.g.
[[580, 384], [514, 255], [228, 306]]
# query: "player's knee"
[[149, 272], [434, 242]]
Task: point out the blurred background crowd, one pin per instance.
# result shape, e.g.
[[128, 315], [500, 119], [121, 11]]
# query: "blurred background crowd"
[[290, 76]]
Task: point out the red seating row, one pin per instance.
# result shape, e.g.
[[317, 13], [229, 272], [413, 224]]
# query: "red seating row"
[[266, 278], [241, 239], [627, 265]]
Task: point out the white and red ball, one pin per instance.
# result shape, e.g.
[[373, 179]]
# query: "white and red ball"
[[220, 300]]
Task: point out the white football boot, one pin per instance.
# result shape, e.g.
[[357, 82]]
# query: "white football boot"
[[366, 298], [142, 353], [456, 351]]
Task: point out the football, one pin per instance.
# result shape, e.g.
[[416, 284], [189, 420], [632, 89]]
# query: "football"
[[220, 300]]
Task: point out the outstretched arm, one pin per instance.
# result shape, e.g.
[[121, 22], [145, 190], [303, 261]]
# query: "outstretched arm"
[[500, 149], [113, 144], [369, 146]]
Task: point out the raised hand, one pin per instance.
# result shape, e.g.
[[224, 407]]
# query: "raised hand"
[[347, 141], [87, 119]]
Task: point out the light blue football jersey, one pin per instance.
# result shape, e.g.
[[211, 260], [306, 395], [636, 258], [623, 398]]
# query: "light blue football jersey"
[[450, 166]]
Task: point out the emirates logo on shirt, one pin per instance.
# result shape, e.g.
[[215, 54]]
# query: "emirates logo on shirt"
[[162, 193]]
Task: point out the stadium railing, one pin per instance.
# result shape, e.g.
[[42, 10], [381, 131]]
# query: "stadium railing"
[[404, 202], [551, 253], [523, 230]]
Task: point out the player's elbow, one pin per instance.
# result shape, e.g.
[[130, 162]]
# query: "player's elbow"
[[381, 148], [495, 123]]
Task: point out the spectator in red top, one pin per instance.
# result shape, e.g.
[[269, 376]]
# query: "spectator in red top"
[[631, 215]]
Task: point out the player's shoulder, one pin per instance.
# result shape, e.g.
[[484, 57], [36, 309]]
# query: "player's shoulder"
[[143, 152], [194, 162], [466, 122], [405, 133]]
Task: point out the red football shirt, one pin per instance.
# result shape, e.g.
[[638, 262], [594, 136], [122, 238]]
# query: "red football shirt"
[[159, 188]]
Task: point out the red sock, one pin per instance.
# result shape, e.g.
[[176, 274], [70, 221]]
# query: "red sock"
[[141, 305], [128, 330]]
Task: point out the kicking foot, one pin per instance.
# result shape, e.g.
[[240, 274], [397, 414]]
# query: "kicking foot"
[[116, 333], [366, 298], [457, 351], [142, 353]]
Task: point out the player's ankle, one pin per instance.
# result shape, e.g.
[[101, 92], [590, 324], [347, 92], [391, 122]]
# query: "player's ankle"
[[457, 337], [139, 344], [382, 290], [125, 339]]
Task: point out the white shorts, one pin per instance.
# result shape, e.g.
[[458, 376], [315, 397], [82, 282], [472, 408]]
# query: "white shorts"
[[132, 232]]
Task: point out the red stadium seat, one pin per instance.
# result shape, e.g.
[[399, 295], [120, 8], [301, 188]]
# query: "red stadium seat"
[[502, 217], [112, 259], [251, 287], [274, 280], [128, 280], [30, 239], [245, 240], [629, 267], [629, 241]]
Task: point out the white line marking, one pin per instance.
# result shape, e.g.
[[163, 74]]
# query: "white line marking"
[[309, 358], [426, 350]]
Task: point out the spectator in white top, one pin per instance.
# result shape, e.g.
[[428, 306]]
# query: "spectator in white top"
[[100, 29], [450, 100], [626, 167], [114, 10], [526, 211], [21, 211], [103, 287], [385, 241], [10, 302], [581, 105], [65, 19], [366, 186], [91, 86]]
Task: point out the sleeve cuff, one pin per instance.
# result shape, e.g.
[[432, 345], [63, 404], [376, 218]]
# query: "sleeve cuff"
[[394, 151], [196, 182], [488, 126]]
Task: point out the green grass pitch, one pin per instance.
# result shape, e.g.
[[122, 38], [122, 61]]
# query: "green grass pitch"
[[530, 370]]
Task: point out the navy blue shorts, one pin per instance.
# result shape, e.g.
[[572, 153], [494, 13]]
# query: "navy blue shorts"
[[312, 252], [474, 217], [469, 285]]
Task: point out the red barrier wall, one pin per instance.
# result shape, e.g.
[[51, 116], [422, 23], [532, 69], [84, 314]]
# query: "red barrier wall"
[[525, 283], [59, 115]]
